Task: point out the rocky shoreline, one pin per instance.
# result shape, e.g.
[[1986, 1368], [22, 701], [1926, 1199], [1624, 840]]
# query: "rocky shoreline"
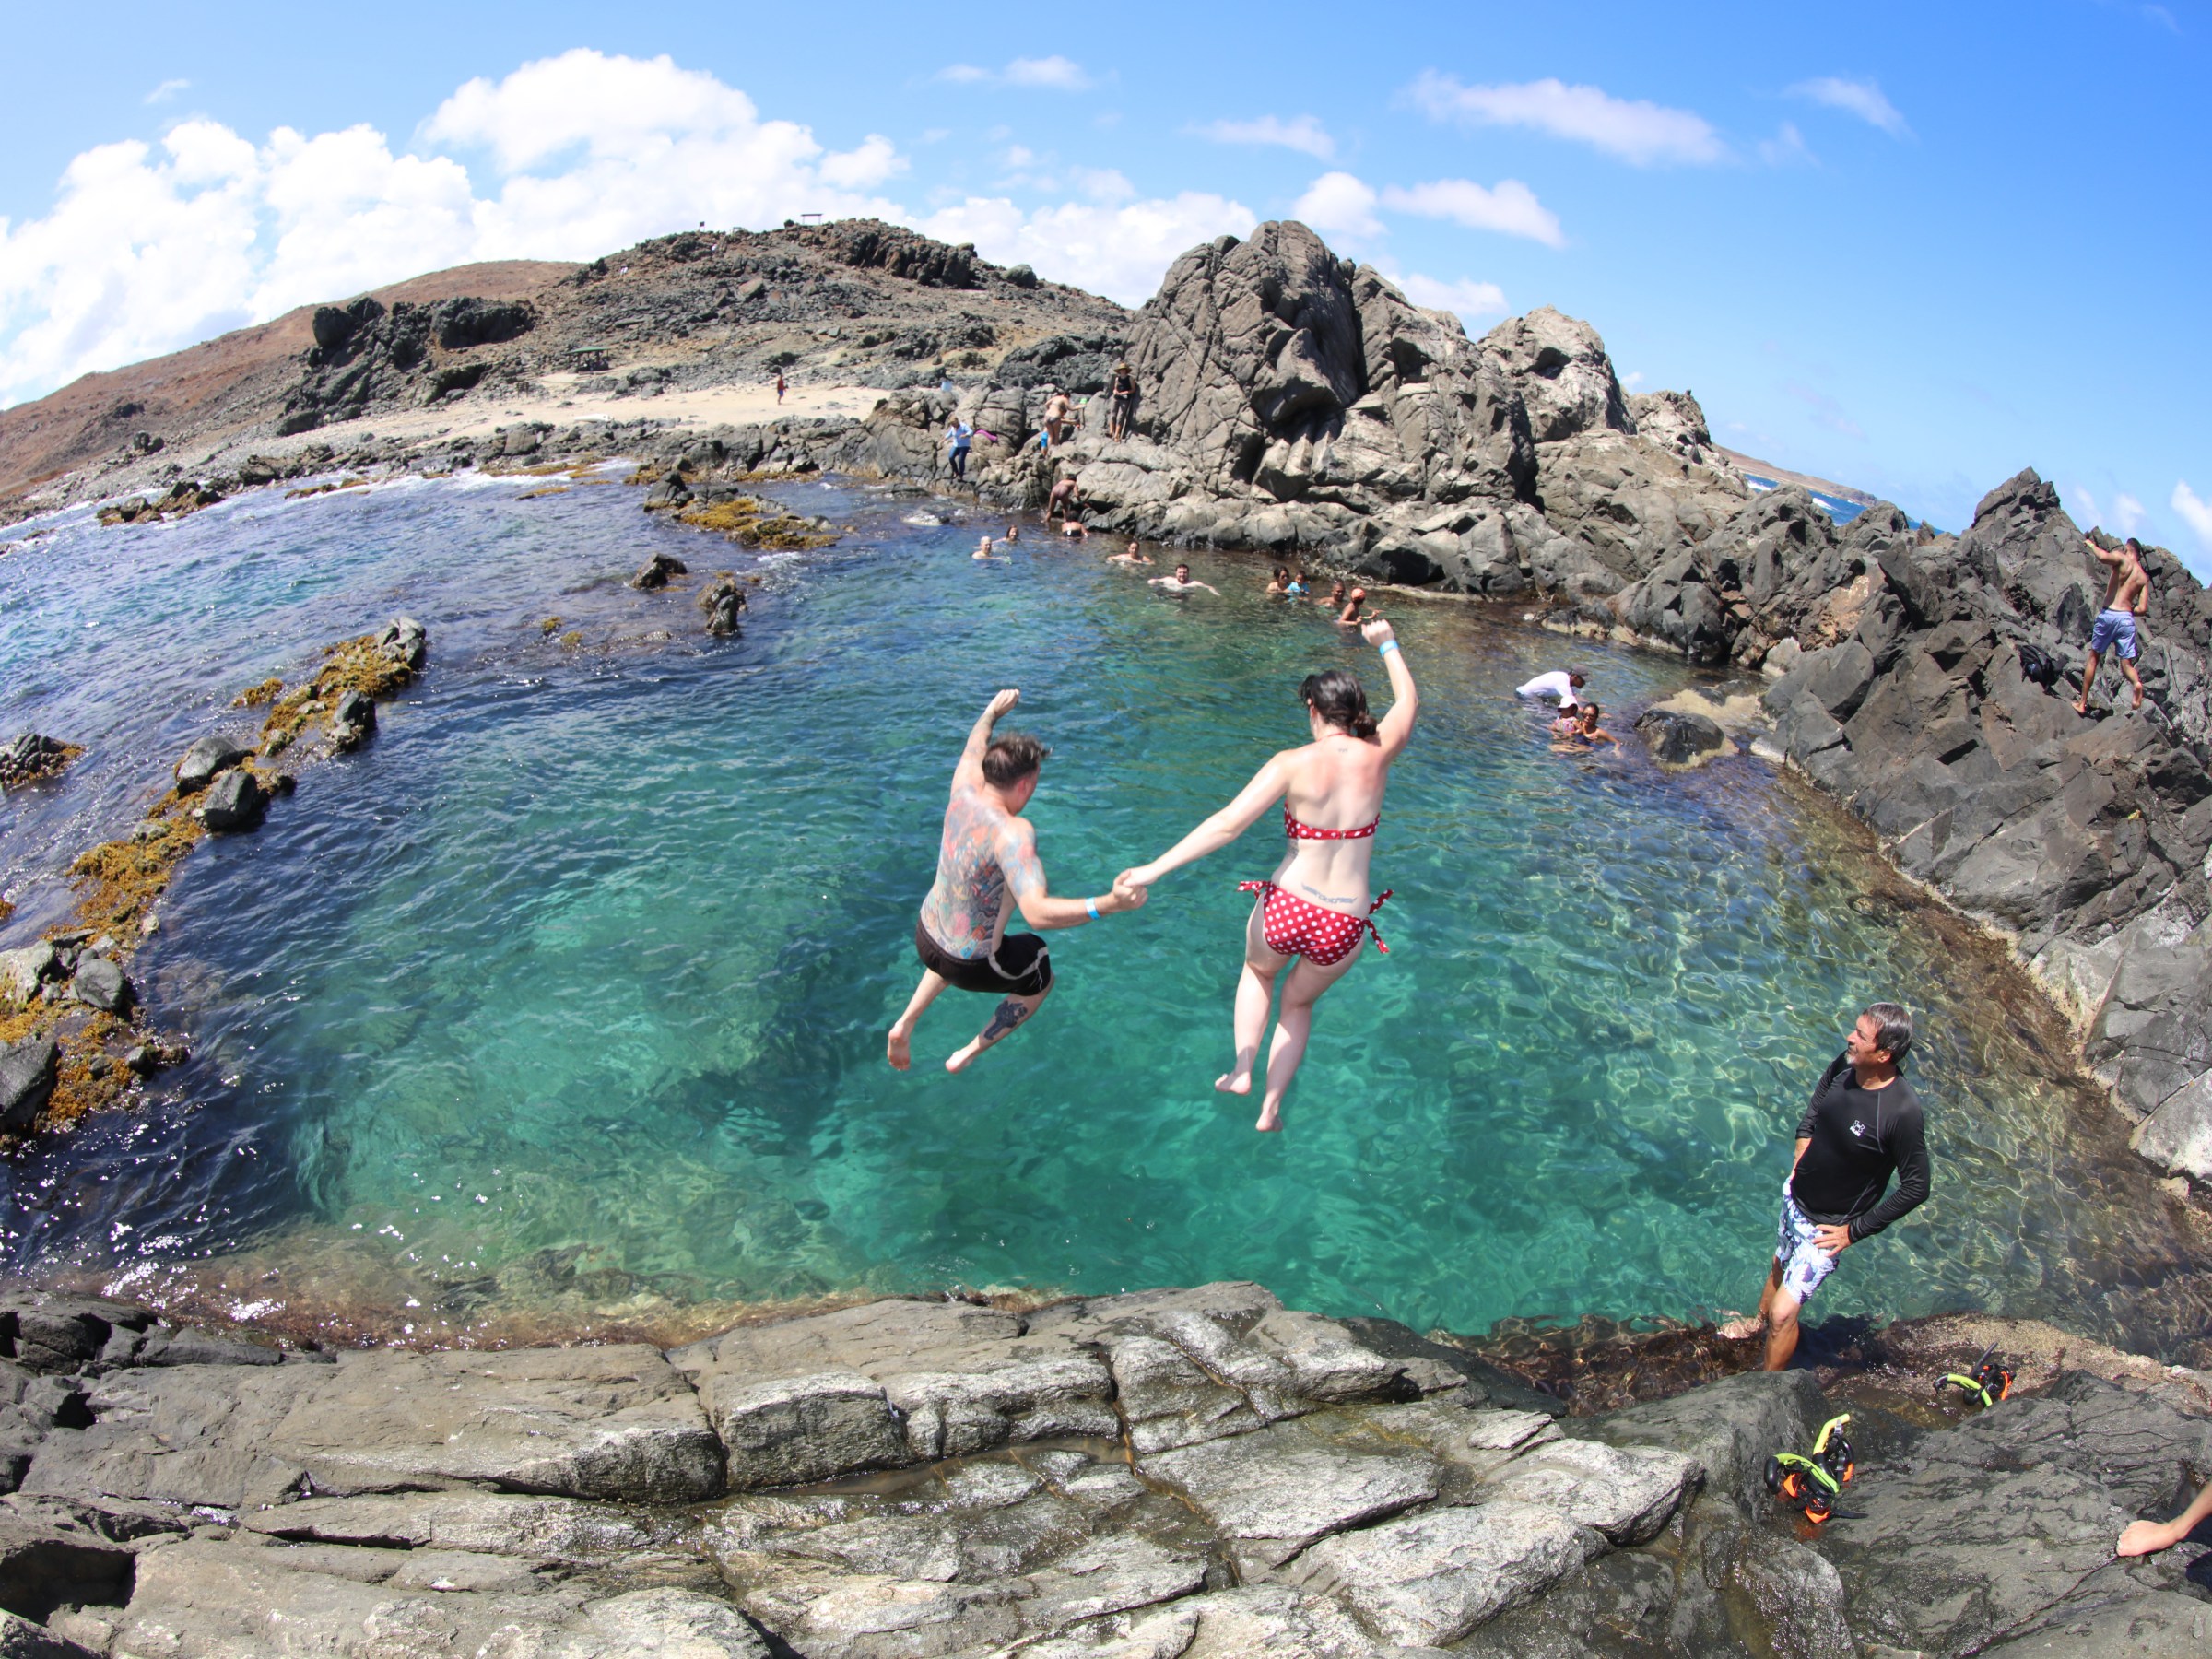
[[1166, 1473]]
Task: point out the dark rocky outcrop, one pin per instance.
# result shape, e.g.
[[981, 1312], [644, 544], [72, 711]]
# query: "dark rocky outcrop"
[[367, 354], [724, 604], [352, 722], [30, 756], [27, 1075], [653, 574], [234, 802], [209, 756]]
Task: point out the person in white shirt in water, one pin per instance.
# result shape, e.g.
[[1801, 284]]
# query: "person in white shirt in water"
[[1562, 685]]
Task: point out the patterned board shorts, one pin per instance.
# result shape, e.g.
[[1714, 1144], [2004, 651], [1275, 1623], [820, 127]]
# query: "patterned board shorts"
[[2115, 625], [1804, 1262]]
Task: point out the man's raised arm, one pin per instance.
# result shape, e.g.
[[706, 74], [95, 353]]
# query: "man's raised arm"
[[969, 774], [2115, 557]]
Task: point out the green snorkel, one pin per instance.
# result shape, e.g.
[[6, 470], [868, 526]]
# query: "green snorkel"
[[1813, 1484]]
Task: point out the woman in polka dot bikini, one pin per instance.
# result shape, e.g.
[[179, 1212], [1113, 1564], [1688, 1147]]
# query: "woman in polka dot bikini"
[[1313, 914]]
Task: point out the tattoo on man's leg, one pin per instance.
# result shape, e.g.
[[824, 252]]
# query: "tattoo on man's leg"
[[1010, 1014]]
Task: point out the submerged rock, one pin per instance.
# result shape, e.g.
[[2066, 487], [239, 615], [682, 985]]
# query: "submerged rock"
[[653, 574], [1680, 739], [724, 604]]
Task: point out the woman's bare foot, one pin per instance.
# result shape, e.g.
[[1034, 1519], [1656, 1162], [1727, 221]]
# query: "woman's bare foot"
[[2147, 1537], [1235, 1082], [899, 1050], [1271, 1118]]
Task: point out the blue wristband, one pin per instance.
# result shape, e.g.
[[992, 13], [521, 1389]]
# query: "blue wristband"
[[1092, 906], [1387, 647]]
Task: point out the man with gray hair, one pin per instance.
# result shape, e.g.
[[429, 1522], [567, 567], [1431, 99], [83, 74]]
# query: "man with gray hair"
[[1862, 1126]]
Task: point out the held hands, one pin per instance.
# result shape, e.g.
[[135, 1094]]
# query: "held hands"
[[1136, 878], [1125, 897], [1375, 630]]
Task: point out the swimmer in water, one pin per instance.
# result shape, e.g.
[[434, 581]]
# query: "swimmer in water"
[[1582, 733], [982, 549], [1311, 917], [1180, 582], [1131, 555], [1280, 581], [1350, 616]]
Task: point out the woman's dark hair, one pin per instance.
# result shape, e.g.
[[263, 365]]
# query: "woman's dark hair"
[[1340, 701]]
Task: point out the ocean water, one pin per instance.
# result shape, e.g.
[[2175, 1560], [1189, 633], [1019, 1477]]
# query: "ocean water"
[[565, 998]]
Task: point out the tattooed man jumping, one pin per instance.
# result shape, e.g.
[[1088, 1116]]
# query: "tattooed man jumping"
[[986, 865]]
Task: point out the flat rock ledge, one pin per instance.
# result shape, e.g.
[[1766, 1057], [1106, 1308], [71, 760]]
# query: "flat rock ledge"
[[1156, 1475]]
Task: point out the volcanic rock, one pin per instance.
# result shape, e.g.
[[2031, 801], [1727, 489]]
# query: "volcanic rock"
[[652, 575], [235, 802], [1678, 739], [212, 754], [724, 602], [100, 983], [352, 722], [30, 756], [28, 1070]]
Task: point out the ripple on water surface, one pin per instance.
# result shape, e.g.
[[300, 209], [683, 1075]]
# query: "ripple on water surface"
[[573, 983]]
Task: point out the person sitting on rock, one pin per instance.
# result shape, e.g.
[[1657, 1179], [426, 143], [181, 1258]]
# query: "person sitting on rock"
[[1180, 582], [987, 869], [1067, 494], [2115, 630], [2147, 1537], [1561, 686], [1862, 1126], [1131, 555]]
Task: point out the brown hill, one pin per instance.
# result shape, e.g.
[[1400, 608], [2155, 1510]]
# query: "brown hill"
[[97, 414]]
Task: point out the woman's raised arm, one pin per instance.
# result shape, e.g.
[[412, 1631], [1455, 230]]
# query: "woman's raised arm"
[[1394, 730]]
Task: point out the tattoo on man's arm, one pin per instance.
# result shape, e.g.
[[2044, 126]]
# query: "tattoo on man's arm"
[[1010, 1013]]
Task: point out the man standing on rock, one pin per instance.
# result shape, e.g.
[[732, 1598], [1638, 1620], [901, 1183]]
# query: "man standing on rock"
[[1122, 402], [987, 867], [1862, 1126], [2124, 591]]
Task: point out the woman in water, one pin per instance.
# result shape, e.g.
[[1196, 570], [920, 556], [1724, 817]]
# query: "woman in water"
[[1311, 915]]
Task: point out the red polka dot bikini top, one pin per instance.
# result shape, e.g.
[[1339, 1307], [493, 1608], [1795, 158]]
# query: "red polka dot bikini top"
[[1298, 831]]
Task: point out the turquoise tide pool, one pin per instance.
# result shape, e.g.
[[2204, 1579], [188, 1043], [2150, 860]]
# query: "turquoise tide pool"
[[570, 990]]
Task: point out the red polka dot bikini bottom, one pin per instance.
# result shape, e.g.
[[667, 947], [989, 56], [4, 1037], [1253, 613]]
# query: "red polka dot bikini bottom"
[[1325, 937]]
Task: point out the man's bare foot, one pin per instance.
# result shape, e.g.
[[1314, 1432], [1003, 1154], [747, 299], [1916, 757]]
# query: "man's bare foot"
[[1235, 1082], [1271, 1118], [899, 1050], [2147, 1537], [1742, 1326], [960, 1061]]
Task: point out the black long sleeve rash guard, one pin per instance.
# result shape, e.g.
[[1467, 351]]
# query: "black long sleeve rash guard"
[[1858, 1138]]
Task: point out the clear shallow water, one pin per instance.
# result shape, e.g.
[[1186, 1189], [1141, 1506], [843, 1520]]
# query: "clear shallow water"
[[568, 994]]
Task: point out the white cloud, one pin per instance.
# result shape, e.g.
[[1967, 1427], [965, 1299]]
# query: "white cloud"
[[1511, 207], [148, 247], [2127, 514], [1464, 298], [1055, 72], [1860, 98], [1121, 252], [1337, 204], [2195, 513], [165, 90], [1102, 184], [1786, 147], [1634, 130], [1301, 132], [1630, 381]]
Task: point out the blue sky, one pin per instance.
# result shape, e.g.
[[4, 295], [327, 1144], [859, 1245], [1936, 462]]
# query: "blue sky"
[[1911, 249]]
